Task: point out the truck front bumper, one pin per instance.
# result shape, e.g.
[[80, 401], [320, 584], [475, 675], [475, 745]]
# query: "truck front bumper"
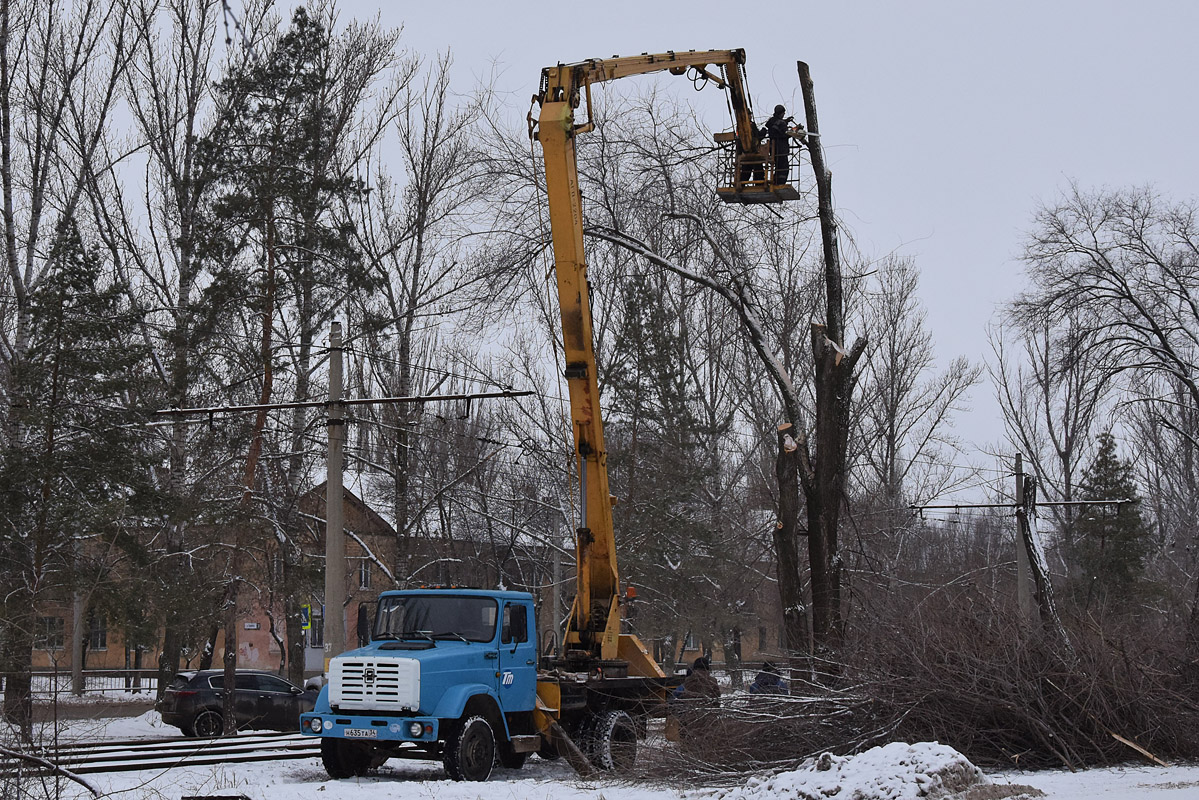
[[369, 729]]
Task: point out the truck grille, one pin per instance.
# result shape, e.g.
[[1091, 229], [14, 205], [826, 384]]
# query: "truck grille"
[[378, 684]]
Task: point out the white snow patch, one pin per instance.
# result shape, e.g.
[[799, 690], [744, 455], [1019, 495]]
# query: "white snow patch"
[[895, 771], [145, 726]]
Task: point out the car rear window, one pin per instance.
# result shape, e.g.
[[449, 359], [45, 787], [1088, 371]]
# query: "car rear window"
[[179, 682]]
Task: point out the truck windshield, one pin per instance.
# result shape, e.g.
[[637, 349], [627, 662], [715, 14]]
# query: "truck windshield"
[[470, 619]]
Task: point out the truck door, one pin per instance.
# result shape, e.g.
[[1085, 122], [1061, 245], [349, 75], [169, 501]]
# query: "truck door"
[[518, 658]]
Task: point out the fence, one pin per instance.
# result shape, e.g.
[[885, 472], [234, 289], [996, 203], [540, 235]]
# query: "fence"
[[48, 684]]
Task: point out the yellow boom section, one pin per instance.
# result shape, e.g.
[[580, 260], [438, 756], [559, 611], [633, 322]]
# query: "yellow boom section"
[[594, 626]]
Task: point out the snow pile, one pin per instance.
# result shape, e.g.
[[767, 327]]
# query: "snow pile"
[[896, 771], [146, 726]]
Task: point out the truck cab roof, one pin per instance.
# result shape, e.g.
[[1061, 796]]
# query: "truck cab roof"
[[465, 591]]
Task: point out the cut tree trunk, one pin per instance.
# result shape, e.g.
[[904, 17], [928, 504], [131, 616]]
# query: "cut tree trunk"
[[786, 545]]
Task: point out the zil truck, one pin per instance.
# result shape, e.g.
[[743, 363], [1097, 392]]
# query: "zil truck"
[[454, 674]]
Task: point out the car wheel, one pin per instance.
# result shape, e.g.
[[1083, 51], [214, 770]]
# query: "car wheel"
[[208, 725], [470, 750], [344, 759]]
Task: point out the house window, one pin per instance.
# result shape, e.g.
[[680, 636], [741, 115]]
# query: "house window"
[[97, 635], [689, 643], [763, 644], [364, 574], [316, 636], [49, 633]]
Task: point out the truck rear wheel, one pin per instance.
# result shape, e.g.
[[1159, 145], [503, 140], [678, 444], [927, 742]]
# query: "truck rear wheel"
[[610, 741], [470, 750], [344, 759]]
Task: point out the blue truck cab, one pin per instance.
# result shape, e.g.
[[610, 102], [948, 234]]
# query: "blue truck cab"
[[449, 674]]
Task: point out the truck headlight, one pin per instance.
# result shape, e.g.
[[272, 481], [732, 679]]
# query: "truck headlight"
[[414, 729], [315, 724]]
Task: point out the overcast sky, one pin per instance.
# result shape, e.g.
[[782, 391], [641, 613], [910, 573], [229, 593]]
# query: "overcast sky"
[[945, 122]]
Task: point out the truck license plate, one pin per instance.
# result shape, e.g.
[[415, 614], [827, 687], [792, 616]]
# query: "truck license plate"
[[361, 733]]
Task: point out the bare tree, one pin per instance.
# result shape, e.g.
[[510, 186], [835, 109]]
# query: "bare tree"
[[1163, 435], [1052, 394], [411, 232], [61, 66], [1123, 262], [156, 238], [905, 410]]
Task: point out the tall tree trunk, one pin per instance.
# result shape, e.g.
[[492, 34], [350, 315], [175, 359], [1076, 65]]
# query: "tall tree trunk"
[[786, 545], [228, 699], [291, 550], [251, 470], [825, 489], [407, 413], [824, 486], [293, 626], [16, 642]]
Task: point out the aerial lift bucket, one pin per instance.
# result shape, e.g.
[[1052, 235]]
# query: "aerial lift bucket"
[[752, 178]]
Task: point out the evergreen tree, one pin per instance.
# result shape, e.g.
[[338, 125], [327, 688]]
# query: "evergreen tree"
[[81, 474], [285, 181], [657, 468], [1112, 542]]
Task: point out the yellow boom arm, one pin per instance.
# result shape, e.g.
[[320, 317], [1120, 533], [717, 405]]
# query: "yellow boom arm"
[[594, 626]]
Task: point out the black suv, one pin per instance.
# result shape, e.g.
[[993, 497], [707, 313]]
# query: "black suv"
[[193, 702]]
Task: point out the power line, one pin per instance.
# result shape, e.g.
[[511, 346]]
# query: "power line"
[[328, 403]]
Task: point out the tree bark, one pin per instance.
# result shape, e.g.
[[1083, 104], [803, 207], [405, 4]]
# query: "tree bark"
[[1033, 544], [229, 697], [786, 544], [824, 486]]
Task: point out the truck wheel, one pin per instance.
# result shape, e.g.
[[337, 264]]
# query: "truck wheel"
[[470, 750], [344, 759], [611, 741]]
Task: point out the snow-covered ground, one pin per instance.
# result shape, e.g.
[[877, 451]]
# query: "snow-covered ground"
[[894, 772]]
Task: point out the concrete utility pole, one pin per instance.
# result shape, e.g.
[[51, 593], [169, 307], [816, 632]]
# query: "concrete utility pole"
[[335, 540]]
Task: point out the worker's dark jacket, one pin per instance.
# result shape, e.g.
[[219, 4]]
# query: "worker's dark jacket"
[[699, 685], [776, 129], [768, 683]]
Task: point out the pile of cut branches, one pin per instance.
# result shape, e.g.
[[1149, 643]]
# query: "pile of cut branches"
[[951, 671], [1006, 695]]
